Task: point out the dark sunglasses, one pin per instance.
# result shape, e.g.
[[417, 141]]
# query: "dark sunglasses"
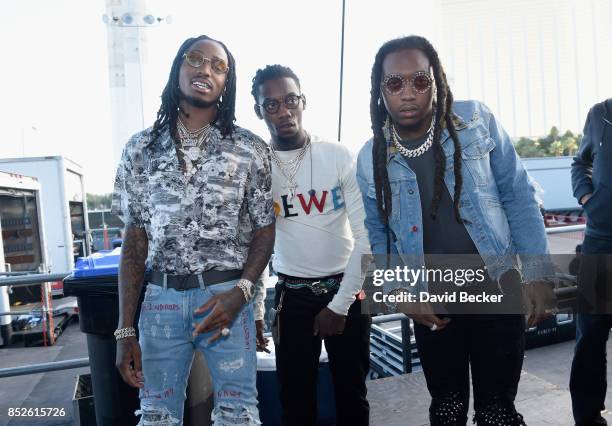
[[394, 84], [291, 101], [197, 59]]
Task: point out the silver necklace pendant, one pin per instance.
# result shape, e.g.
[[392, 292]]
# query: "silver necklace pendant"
[[189, 143], [290, 168], [191, 156], [188, 165], [291, 187], [191, 152]]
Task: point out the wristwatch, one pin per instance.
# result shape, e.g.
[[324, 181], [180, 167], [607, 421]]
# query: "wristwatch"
[[247, 287], [395, 292]]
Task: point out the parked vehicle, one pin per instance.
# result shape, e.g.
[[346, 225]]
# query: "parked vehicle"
[[63, 194], [553, 175], [22, 239]]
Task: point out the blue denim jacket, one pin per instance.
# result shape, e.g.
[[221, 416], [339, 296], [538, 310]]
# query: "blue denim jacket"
[[498, 203]]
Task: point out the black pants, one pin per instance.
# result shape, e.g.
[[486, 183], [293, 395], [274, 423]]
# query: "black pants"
[[493, 345], [588, 382], [297, 360]]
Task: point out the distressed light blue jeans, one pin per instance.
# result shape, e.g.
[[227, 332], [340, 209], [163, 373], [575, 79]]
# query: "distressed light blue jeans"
[[168, 347]]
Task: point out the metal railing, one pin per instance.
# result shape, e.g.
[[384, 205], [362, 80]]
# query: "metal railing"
[[45, 312], [44, 367], [565, 229], [31, 279], [24, 279]]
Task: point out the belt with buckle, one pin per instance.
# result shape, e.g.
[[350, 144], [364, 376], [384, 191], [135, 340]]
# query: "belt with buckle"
[[186, 282], [318, 286]]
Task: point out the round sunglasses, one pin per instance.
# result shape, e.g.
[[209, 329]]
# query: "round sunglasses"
[[197, 59], [395, 84]]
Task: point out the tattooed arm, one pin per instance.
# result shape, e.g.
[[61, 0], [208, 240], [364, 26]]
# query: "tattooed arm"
[[131, 273], [261, 213], [130, 204], [259, 252]]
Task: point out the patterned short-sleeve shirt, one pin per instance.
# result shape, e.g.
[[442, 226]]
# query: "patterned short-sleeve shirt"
[[198, 221]]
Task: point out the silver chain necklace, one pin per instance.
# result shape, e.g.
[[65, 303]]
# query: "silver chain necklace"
[[191, 143], [290, 168], [190, 138], [421, 149]]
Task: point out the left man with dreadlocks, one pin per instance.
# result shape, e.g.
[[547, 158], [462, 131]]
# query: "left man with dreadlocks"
[[482, 206], [195, 195]]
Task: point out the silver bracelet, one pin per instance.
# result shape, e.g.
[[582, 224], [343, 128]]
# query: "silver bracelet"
[[122, 333]]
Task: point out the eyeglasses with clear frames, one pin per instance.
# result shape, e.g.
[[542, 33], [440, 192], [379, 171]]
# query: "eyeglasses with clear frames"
[[291, 101]]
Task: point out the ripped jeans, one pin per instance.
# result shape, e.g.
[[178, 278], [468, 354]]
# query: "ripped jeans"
[[168, 348]]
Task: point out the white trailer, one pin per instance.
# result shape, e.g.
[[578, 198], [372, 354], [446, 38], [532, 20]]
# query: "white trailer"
[[63, 195], [22, 238]]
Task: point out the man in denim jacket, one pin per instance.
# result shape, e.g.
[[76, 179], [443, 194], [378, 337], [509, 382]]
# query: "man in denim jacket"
[[442, 177], [592, 184]]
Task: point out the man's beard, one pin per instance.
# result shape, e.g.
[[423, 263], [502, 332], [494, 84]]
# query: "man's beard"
[[198, 103]]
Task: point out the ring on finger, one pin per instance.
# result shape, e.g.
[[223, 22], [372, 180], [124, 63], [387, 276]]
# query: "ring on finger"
[[225, 331], [433, 327]]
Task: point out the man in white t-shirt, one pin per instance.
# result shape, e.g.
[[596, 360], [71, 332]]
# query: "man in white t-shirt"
[[320, 241]]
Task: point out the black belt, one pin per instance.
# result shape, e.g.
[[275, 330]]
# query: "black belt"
[[186, 282]]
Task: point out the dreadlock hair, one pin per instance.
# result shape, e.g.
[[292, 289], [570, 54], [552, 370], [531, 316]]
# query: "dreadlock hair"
[[379, 114], [171, 95], [270, 72]]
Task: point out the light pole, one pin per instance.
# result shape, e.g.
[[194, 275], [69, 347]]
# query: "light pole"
[[341, 71], [126, 22]]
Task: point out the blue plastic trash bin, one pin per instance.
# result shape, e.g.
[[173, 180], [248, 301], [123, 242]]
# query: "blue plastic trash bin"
[[94, 283]]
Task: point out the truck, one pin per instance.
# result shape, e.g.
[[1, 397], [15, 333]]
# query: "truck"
[[554, 176], [22, 238], [65, 221]]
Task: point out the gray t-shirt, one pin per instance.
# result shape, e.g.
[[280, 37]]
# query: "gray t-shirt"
[[444, 235]]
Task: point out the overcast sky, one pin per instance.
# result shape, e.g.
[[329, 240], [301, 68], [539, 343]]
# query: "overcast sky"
[[54, 78]]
